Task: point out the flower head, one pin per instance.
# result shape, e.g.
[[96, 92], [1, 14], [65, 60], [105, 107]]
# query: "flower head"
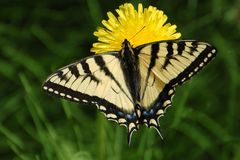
[[137, 26]]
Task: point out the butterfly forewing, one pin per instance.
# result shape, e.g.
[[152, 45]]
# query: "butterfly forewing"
[[98, 80]]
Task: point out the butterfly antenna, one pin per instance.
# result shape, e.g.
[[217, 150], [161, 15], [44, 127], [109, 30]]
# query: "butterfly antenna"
[[137, 33]]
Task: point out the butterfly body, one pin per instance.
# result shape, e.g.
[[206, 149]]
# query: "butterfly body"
[[130, 67], [132, 86]]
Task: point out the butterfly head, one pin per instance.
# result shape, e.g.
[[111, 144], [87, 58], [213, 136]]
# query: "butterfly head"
[[126, 48], [125, 44]]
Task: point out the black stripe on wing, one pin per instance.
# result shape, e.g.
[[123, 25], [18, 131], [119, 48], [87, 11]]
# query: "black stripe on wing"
[[86, 70], [201, 60], [73, 69], [181, 47], [169, 54], [154, 50]]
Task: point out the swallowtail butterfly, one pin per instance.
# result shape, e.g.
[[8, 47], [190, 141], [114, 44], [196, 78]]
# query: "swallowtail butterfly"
[[132, 86]]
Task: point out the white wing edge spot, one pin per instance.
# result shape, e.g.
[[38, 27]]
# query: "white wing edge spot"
[[190, 74], [196, 69], [122, 120], [205, 59], [62, 94], [50, 89], [45, 88], [76, 99], [84, 100], [68, 96], [153, 121], [131, 125], [166, 103], [102, 108], [110, 115], [183, 79], [201, 64], [170, 92], [159, 112]]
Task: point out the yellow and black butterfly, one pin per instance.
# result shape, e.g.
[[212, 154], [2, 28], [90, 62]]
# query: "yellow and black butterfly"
[[132, 86]]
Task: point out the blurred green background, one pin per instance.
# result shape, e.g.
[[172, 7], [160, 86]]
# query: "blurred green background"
[[38, 37]]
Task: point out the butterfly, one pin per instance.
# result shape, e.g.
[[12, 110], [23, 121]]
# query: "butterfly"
[[132, 86]]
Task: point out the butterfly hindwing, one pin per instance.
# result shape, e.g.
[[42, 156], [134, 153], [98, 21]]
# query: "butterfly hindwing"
[[163, 65], [97, 80]]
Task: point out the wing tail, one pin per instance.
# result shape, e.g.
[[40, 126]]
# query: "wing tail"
[[131, 128]]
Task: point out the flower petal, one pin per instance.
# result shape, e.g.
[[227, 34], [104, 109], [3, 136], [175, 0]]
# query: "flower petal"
[[139, 27]]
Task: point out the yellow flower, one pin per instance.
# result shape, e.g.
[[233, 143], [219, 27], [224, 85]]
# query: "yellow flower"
[[138, 27]]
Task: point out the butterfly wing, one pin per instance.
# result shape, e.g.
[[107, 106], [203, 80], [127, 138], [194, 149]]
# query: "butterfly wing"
[[98, 80], [164, 65]]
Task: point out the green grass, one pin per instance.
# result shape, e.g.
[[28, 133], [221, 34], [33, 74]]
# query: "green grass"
[[36, 38]]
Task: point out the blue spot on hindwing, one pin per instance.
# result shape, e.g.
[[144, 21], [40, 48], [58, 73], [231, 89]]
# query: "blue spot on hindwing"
[[151, 112], [145, 113], [131, 117], [121, 114]]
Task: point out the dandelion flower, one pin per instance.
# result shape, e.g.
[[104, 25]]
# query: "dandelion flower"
[[137, 26]]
